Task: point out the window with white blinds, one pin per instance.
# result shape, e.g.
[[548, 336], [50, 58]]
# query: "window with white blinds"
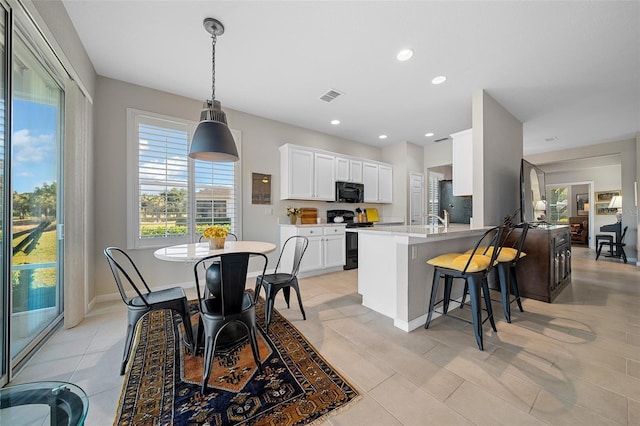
[[433, 206], [172, 197]]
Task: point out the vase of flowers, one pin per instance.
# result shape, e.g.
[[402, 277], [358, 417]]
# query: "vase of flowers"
[[293, 213], [216, 235]]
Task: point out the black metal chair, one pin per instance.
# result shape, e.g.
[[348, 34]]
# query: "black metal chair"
[[472, 267], [234, 305], [213, 289], [284, 281], [145, 300], [507, 258], [616, 248]]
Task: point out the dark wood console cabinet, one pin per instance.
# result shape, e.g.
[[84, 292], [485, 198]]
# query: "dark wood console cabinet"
[[546, 270]]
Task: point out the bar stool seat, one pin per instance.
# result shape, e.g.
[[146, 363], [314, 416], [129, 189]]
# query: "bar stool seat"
[[472, 267], [507, 260]]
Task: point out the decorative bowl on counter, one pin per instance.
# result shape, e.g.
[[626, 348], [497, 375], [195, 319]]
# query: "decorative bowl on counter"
[[338, 219]]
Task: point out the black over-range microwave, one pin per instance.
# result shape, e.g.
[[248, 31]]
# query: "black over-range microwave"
[[349, 192]]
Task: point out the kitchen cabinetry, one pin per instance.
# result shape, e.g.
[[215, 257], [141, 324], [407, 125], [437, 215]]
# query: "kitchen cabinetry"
[[462, 157], [326, 250], [348, 170], [546, 269], [311, 174], [306, 175], [378, 182]]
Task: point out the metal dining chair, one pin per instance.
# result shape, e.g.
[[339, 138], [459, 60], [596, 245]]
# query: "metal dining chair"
[[234, 305], [128, 277]]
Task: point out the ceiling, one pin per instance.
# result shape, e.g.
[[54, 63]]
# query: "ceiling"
[[570, 71]]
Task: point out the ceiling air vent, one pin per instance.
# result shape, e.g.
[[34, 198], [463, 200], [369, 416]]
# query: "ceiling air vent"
[[331, 95], [441, 140]]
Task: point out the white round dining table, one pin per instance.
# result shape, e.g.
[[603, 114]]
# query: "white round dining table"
[[196, 251]]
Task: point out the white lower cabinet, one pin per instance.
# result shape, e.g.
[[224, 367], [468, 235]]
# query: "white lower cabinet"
[[326, 250]]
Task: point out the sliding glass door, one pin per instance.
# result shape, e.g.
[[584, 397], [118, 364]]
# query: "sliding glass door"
[[4, 200], [36, 249]]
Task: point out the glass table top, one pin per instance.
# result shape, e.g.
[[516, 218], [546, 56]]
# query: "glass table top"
[[42, 403]]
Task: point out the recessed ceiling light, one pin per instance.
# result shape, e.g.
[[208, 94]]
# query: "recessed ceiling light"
[[428, 134], [335, 122], [439, 79], [404, 55], [382, 136]]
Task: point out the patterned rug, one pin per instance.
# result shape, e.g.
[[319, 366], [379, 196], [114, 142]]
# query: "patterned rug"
[[162, 384]]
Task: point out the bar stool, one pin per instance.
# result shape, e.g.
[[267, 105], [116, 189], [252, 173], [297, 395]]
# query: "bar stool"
[[472, 267], [507, 258]]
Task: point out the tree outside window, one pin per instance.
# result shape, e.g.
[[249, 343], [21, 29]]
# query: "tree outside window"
[[559, 204]]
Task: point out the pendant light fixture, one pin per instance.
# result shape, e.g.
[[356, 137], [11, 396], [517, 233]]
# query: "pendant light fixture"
[[212, 140]]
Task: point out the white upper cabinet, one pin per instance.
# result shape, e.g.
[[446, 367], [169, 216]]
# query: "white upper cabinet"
[[306, 174], [343, 174], [348, 170], [324, 177], [311, 174], [355, 168], [378, 182], [385, 184], [297, 166], [462, 162]]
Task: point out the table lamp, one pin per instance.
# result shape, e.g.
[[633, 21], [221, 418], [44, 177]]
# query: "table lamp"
[[616, 203], [540, 207]]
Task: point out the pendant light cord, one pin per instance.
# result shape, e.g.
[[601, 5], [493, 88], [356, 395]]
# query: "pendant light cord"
[[213, 68]]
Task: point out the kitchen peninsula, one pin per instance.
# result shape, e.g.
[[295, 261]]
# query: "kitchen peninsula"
[[393, 277]]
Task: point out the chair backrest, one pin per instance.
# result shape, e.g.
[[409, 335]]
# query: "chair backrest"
[[488, 243], [300, 244], [122, 266], [230, 269], [624, 232], [518, 243]]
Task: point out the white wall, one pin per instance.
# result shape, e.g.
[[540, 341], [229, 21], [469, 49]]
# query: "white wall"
[[497, 153]]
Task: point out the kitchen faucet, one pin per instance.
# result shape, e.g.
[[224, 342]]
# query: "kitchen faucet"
[[444, 221]]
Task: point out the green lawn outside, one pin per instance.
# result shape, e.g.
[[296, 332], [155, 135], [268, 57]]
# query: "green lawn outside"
[[45, 252]]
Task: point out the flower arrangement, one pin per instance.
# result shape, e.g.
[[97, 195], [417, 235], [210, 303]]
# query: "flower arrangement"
[[215, 231], [294, 211]]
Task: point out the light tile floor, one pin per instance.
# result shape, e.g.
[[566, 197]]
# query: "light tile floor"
[[575, 361]]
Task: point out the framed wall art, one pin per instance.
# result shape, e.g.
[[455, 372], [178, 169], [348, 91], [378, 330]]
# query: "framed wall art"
[[606, 196], [582, 204]]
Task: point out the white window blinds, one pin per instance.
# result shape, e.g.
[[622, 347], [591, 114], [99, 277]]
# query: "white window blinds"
[[174, 198], [162, 180]]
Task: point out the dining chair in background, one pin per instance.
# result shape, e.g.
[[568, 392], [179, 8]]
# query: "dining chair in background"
[[284, 281], [129, 278], [616, 248], [234, 305]]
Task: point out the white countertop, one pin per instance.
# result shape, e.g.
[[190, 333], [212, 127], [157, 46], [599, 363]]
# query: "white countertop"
[[299, 225], [421, 231], [196, 251]]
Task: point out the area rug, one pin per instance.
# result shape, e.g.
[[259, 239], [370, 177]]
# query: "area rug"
[[162, 385]]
